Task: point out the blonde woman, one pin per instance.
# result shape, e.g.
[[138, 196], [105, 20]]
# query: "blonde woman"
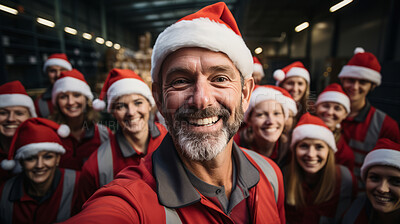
[[317, 190]]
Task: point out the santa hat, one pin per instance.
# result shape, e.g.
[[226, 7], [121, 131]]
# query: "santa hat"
[[257, 66], [33, 136], [213, 28], [334, 93], [269, 92], [121, 82], [385, 153], [363, 65], [313, 127], [295, 69], [71, 81], [14, 94], [57, 59]]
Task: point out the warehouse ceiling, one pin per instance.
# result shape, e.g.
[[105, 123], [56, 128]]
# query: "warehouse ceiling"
[[260, 21]]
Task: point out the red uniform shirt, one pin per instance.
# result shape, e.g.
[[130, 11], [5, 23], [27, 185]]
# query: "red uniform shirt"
[[43, 104], [121, 154], [344, 155], [313, 214], [16, 206], [359, 212], [79, 151], [159, 189], [363, 131], [4, 174]]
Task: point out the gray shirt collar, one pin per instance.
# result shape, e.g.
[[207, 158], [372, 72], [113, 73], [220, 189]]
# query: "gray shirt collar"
[[362, 115], [174, 188]]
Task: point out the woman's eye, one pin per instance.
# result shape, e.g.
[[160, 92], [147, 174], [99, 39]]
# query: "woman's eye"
[[373, 178], [77, 95], [138, 103], [303, 145]]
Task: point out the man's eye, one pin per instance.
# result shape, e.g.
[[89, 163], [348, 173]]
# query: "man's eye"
[[179, 82], [220, 79]]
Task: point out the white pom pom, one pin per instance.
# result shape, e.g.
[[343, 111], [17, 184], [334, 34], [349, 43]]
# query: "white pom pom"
[[63, 131], [279, 75], [359, 50], [8, 164], [99, 105]]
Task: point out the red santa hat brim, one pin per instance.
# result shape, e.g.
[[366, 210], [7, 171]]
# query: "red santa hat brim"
[[313, 131], [203, 33], [8, 100], [333, 96], [57, 61], [359, 72], [383, 157], [128, 86], [69, 84]]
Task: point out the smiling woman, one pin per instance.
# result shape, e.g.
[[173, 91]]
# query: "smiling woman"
[[72, 100], [40, 192], [381, 174], [15, 107], [317, 190]]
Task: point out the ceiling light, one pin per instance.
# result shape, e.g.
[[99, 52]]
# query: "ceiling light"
[[45, 22], [99, 40], [8, 9], [70, 30], [339, 5], [258, 50], [87, 36], [109, 43], [117, 46], [301, 27]]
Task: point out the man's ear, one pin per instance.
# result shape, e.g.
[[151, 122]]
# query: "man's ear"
[[373, 86], [155, 89], [248, 87]]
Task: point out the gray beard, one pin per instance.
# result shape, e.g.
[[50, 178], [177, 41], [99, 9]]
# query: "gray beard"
[[202, 146]]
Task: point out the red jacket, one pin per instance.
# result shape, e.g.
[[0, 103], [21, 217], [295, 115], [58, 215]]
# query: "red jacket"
[[43, 104], [331, 210], [359, 212], [344, 155], [363, 131], [114, 155], [159, 189], [78, 152], [4, 174], [16, 206]]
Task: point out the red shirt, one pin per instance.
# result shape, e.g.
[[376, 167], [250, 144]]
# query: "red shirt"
[[344, 155]]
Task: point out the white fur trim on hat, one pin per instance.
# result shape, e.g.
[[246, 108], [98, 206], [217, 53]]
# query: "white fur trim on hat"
[[292, 106], [70, 84], [359, 72], [9, 100], [262, 94], [297, 71], [313, 131], [57, 61], [34, 148], [203, 33], [258, 68], [334, 96], [128, 86], [385, 157]]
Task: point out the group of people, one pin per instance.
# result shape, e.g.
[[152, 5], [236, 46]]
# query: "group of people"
[[234, 152]]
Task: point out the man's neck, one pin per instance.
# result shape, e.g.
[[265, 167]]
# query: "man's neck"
[[217, 172], [356, 107]]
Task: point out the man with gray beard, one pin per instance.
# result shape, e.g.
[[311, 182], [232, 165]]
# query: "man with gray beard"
[[202, 83]]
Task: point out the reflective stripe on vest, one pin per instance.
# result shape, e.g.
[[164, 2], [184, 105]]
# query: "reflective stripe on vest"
[[344, 198], [103, 132], [354, 211], [64, 211], [105, 164], [171, 216], [267, 169], [6, 206], [43, 108], [372, 134]]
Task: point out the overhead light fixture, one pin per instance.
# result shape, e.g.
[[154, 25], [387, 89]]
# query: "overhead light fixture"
[[109, 43], [87, 36], [45, 22], [340, 5], [99, 40], [301, 27], [258, 50], [117, 46], [70, 30], [8, 9]]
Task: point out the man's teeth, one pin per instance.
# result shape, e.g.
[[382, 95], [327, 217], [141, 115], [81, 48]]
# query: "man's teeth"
[[204, 121]]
